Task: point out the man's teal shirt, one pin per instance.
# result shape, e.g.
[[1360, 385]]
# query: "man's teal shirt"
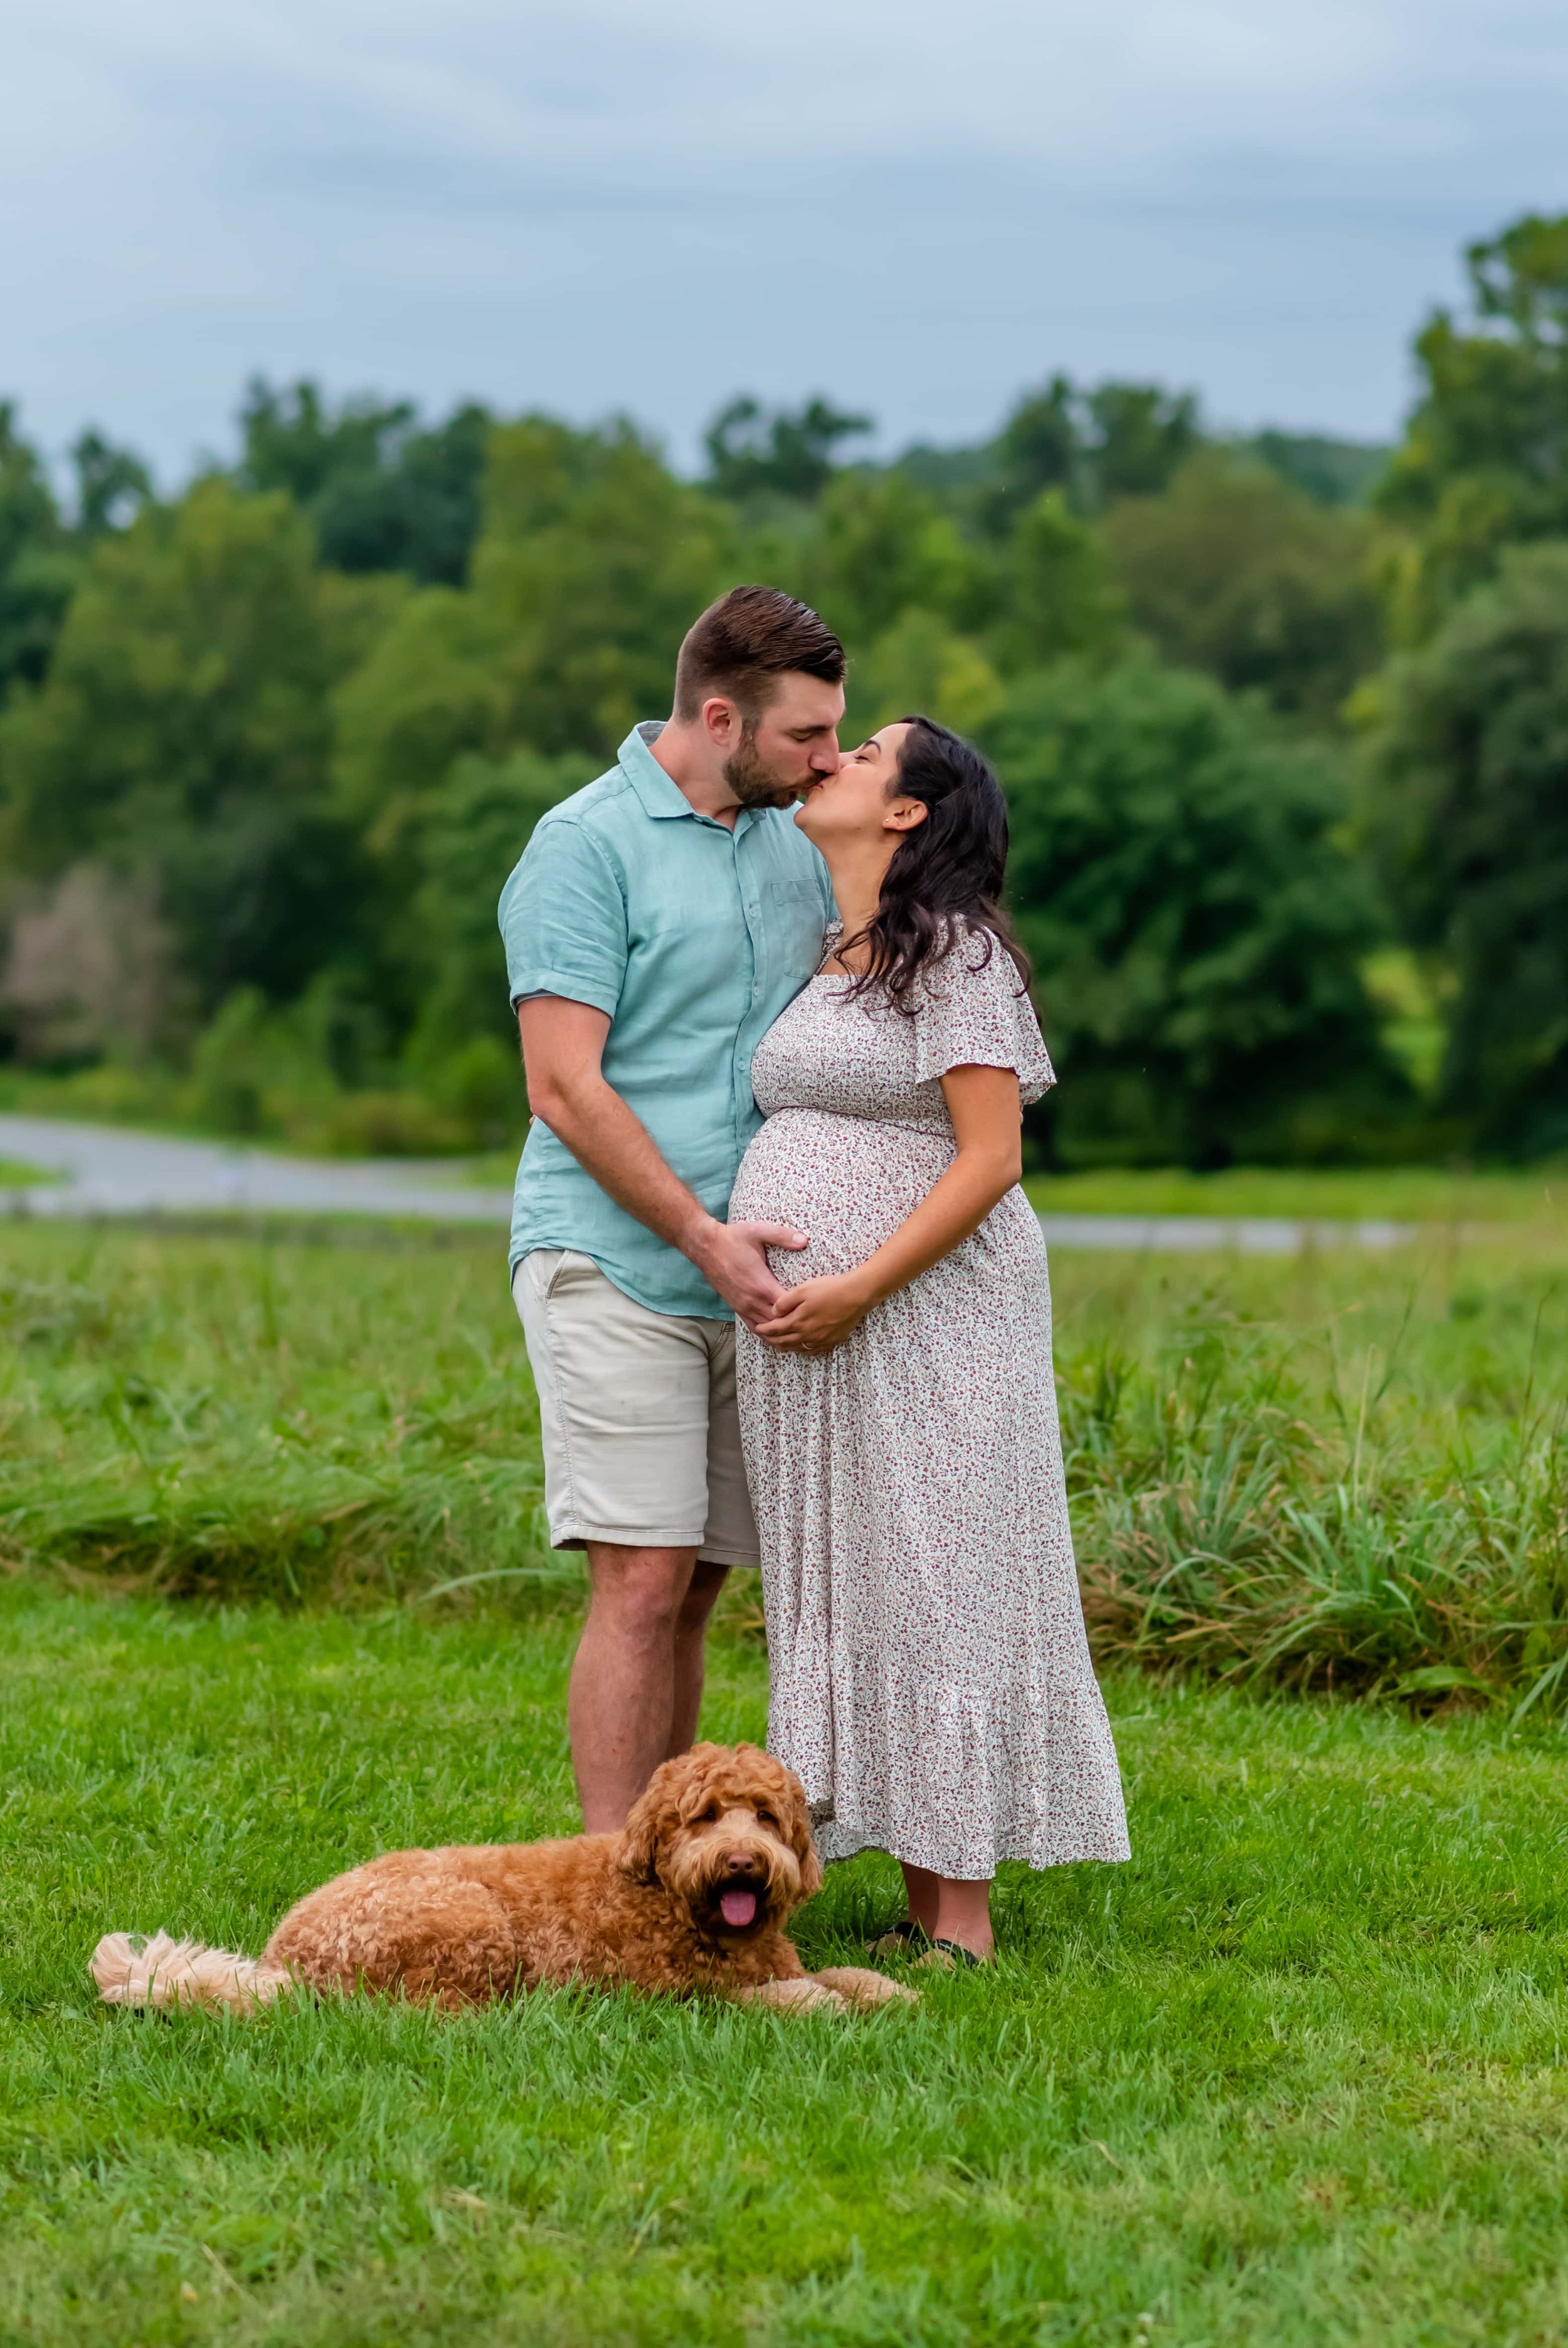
[[693, 938]]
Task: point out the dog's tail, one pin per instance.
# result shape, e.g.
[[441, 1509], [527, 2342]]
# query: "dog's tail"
[[183, 1972]]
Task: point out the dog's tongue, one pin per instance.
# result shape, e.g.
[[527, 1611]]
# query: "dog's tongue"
[[738, 1906]]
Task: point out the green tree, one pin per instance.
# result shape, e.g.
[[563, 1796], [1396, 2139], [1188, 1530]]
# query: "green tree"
[[435, 685], [1197, 927], [921, 663], [1039, 447], [1330, 472], [790, 453], [882, 547], [474, 830], [1119, 439], [184, 730], [37, 566], [112, 485], [1059, 595], [593, 561], [1232, 570], [596, 560], [1467, 769], [1140, 436], [382, 492], [1484, 460]]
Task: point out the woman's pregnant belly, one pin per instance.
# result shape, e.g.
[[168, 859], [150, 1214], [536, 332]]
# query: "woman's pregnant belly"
[[848, 1182]]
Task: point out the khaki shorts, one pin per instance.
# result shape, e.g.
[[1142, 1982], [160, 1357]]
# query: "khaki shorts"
[[642, 1436]]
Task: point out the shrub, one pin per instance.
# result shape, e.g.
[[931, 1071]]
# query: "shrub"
[[1197, 925]]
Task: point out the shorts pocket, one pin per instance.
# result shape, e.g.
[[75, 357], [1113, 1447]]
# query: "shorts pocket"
[[568, 1270]]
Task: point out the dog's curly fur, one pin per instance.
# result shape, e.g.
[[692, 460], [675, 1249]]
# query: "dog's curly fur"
[[460, 1926]]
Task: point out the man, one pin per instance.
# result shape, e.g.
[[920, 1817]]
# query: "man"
[[655, 927]]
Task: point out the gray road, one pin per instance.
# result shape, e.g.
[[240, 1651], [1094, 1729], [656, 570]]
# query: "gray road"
[[107, 1171]]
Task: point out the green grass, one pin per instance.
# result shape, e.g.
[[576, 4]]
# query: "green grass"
[[225, 1416], [1421, 1194], [15, 1175], [1340, 1470], [1296, 2075]]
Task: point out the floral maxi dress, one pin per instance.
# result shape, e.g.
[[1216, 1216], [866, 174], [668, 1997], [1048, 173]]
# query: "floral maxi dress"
[[931, 1679]]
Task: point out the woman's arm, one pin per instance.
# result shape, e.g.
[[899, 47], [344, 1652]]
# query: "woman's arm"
[[983, 1106]]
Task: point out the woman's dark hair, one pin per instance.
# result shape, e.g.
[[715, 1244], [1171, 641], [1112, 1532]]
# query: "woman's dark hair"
[[944, 881]]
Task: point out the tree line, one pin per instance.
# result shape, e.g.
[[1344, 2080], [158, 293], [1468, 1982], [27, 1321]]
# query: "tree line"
[[1283, 722]]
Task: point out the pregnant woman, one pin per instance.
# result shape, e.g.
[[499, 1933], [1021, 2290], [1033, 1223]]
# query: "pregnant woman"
[[931, 1680]]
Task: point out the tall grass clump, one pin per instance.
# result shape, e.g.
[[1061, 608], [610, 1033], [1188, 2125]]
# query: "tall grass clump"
[[1267, 1494], [223, 1418]]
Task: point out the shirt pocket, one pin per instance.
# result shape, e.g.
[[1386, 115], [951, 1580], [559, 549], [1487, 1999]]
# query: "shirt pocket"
[[796, 928]]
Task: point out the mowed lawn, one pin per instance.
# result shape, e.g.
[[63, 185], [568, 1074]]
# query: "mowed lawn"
[[1295, 2074], [1298, 2073]]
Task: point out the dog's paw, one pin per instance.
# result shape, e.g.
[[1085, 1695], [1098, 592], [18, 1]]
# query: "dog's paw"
[[803, 1996], [864, 1990]]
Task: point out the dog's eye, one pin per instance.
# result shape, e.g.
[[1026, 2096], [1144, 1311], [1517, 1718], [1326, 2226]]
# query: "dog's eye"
[[766, 1818], [707, 1817]]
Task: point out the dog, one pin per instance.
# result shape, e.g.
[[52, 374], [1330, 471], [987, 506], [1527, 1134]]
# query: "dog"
[[689, 1900]]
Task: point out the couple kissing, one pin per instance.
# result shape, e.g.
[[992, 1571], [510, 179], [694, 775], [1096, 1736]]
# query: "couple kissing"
[[784, 1300]]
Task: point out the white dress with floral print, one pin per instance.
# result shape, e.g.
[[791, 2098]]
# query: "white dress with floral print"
[[931, 1680]]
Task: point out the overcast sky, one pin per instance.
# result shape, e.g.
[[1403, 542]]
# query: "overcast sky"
[[648, 204]]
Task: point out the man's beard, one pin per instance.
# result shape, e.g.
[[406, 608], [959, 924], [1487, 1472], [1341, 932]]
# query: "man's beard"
[[754, 784]]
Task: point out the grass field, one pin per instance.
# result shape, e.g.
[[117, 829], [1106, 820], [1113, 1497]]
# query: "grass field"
[[1418, 1194], [1295, 2074], [1339, 1469]]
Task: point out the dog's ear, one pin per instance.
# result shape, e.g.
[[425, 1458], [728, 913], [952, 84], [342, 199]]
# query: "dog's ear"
[[639, 1850], [797, 1824], [647, 1821]]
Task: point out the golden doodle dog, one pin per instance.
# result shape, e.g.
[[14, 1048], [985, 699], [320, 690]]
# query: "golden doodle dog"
[[690, 1900]]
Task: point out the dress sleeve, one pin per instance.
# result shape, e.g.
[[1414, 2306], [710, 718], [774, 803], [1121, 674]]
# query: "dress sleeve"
[[975, 1016]]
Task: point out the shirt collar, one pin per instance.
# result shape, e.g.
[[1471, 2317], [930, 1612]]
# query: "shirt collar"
[[656, 795]]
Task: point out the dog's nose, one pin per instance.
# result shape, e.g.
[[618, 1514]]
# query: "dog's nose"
[[739, 1862]]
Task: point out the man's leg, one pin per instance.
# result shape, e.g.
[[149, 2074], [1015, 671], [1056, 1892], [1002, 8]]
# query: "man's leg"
[[730, 1537], [623, 1413], [691, 1654], [621, 1706]]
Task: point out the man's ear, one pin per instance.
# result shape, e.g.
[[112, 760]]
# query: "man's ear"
[[722, 721]]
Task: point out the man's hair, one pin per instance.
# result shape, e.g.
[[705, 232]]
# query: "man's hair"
[[746, 639]]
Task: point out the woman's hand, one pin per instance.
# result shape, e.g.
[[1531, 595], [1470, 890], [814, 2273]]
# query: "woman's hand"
[[817, 1315]]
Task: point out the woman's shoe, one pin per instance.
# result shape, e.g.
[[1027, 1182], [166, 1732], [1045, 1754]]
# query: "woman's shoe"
[[948, 1957], [901, 1939]]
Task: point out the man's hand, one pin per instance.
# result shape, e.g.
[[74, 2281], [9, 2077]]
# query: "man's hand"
[[817, 1315], [562, 1046], [732, 1256]]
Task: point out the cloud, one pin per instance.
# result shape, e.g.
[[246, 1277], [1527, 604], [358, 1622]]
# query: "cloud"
[[598, 206]]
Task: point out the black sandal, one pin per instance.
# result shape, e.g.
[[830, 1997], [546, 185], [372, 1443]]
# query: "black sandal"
[[899, 1939], [948, 1957]]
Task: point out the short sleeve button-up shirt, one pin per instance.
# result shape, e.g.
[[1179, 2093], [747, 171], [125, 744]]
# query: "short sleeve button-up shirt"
[[692, 937]]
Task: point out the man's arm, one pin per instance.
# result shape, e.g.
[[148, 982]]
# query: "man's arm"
[[562, 1055]]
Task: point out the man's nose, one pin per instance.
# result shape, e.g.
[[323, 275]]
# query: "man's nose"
[[827, 759]]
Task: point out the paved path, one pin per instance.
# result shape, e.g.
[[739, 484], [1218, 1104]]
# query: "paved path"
[[110, 1170], [105, 1169]]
